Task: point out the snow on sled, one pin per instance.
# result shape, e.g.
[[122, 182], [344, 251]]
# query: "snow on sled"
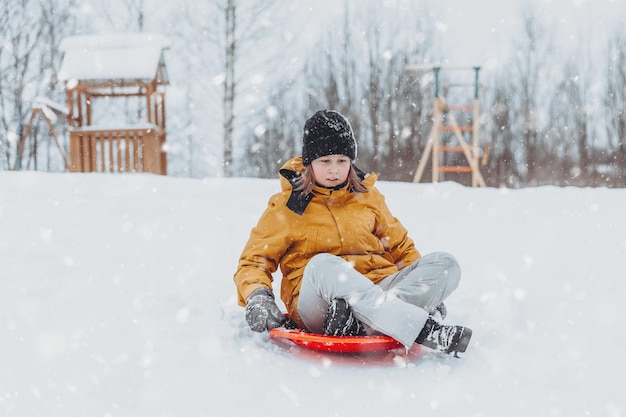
[[337, 344]]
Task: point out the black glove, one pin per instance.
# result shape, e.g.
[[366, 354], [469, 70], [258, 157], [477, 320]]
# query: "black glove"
[[262, 313]]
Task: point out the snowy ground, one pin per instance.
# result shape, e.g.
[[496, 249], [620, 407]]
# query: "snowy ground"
[[116, 299]]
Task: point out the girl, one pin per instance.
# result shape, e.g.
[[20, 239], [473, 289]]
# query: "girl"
[[348, 266]]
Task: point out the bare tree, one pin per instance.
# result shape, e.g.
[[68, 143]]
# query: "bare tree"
[[399, 104], [57, 23], [570, 129], [241, 29], [502, 169], [119, 15], [18, 60], [528, 63], [277, 137], [374, 92], [616, 104], [230, 55], [137, 12], [362, 73]]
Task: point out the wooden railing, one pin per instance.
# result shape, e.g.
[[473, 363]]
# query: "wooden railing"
[[128, 149]]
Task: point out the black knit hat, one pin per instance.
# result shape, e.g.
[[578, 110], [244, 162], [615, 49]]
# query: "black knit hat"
[[327, 132]]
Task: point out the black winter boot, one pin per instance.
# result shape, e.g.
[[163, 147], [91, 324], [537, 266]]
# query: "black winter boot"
[[340, 321], [444, 337]]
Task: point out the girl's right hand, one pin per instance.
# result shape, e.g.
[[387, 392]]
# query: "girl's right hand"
[[262, 313]]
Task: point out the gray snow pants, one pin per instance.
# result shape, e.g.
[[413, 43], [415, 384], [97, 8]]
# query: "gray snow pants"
[[398, 306]]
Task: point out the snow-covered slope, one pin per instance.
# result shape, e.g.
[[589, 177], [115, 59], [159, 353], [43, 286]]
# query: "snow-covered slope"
[[116, 299]]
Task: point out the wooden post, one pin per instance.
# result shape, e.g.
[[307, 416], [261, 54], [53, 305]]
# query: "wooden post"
[[475, 146], [437, 123], [151, 152]]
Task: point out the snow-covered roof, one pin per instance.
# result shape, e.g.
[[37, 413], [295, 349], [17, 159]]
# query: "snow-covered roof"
[[122, 57]]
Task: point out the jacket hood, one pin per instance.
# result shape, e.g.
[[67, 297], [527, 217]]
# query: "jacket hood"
[[289, 174]]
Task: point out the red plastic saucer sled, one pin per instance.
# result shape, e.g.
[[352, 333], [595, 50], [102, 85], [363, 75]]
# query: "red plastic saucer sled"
[[338, 344]]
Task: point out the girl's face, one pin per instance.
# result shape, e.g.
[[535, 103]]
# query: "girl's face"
[[331, 170]]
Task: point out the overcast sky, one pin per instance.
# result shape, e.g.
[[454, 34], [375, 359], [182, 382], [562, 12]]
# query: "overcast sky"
[[481, 32], [484, 29]]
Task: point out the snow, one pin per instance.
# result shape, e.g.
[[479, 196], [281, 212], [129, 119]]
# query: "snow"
[[130, 56], [118, 126], [116, 299]]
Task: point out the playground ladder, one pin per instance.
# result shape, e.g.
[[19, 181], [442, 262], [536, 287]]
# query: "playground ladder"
[[445, 123]]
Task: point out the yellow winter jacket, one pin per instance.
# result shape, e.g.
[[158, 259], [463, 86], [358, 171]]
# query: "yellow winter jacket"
[[356, 226]]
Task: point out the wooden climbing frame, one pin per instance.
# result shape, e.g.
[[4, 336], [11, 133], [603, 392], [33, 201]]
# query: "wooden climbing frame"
[[106, 68]]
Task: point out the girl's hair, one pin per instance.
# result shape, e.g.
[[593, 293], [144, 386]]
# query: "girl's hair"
[[305, 183]]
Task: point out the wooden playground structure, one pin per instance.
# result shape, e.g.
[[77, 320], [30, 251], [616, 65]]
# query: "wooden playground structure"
[[97, 70], [50, 112], [447, 136]]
